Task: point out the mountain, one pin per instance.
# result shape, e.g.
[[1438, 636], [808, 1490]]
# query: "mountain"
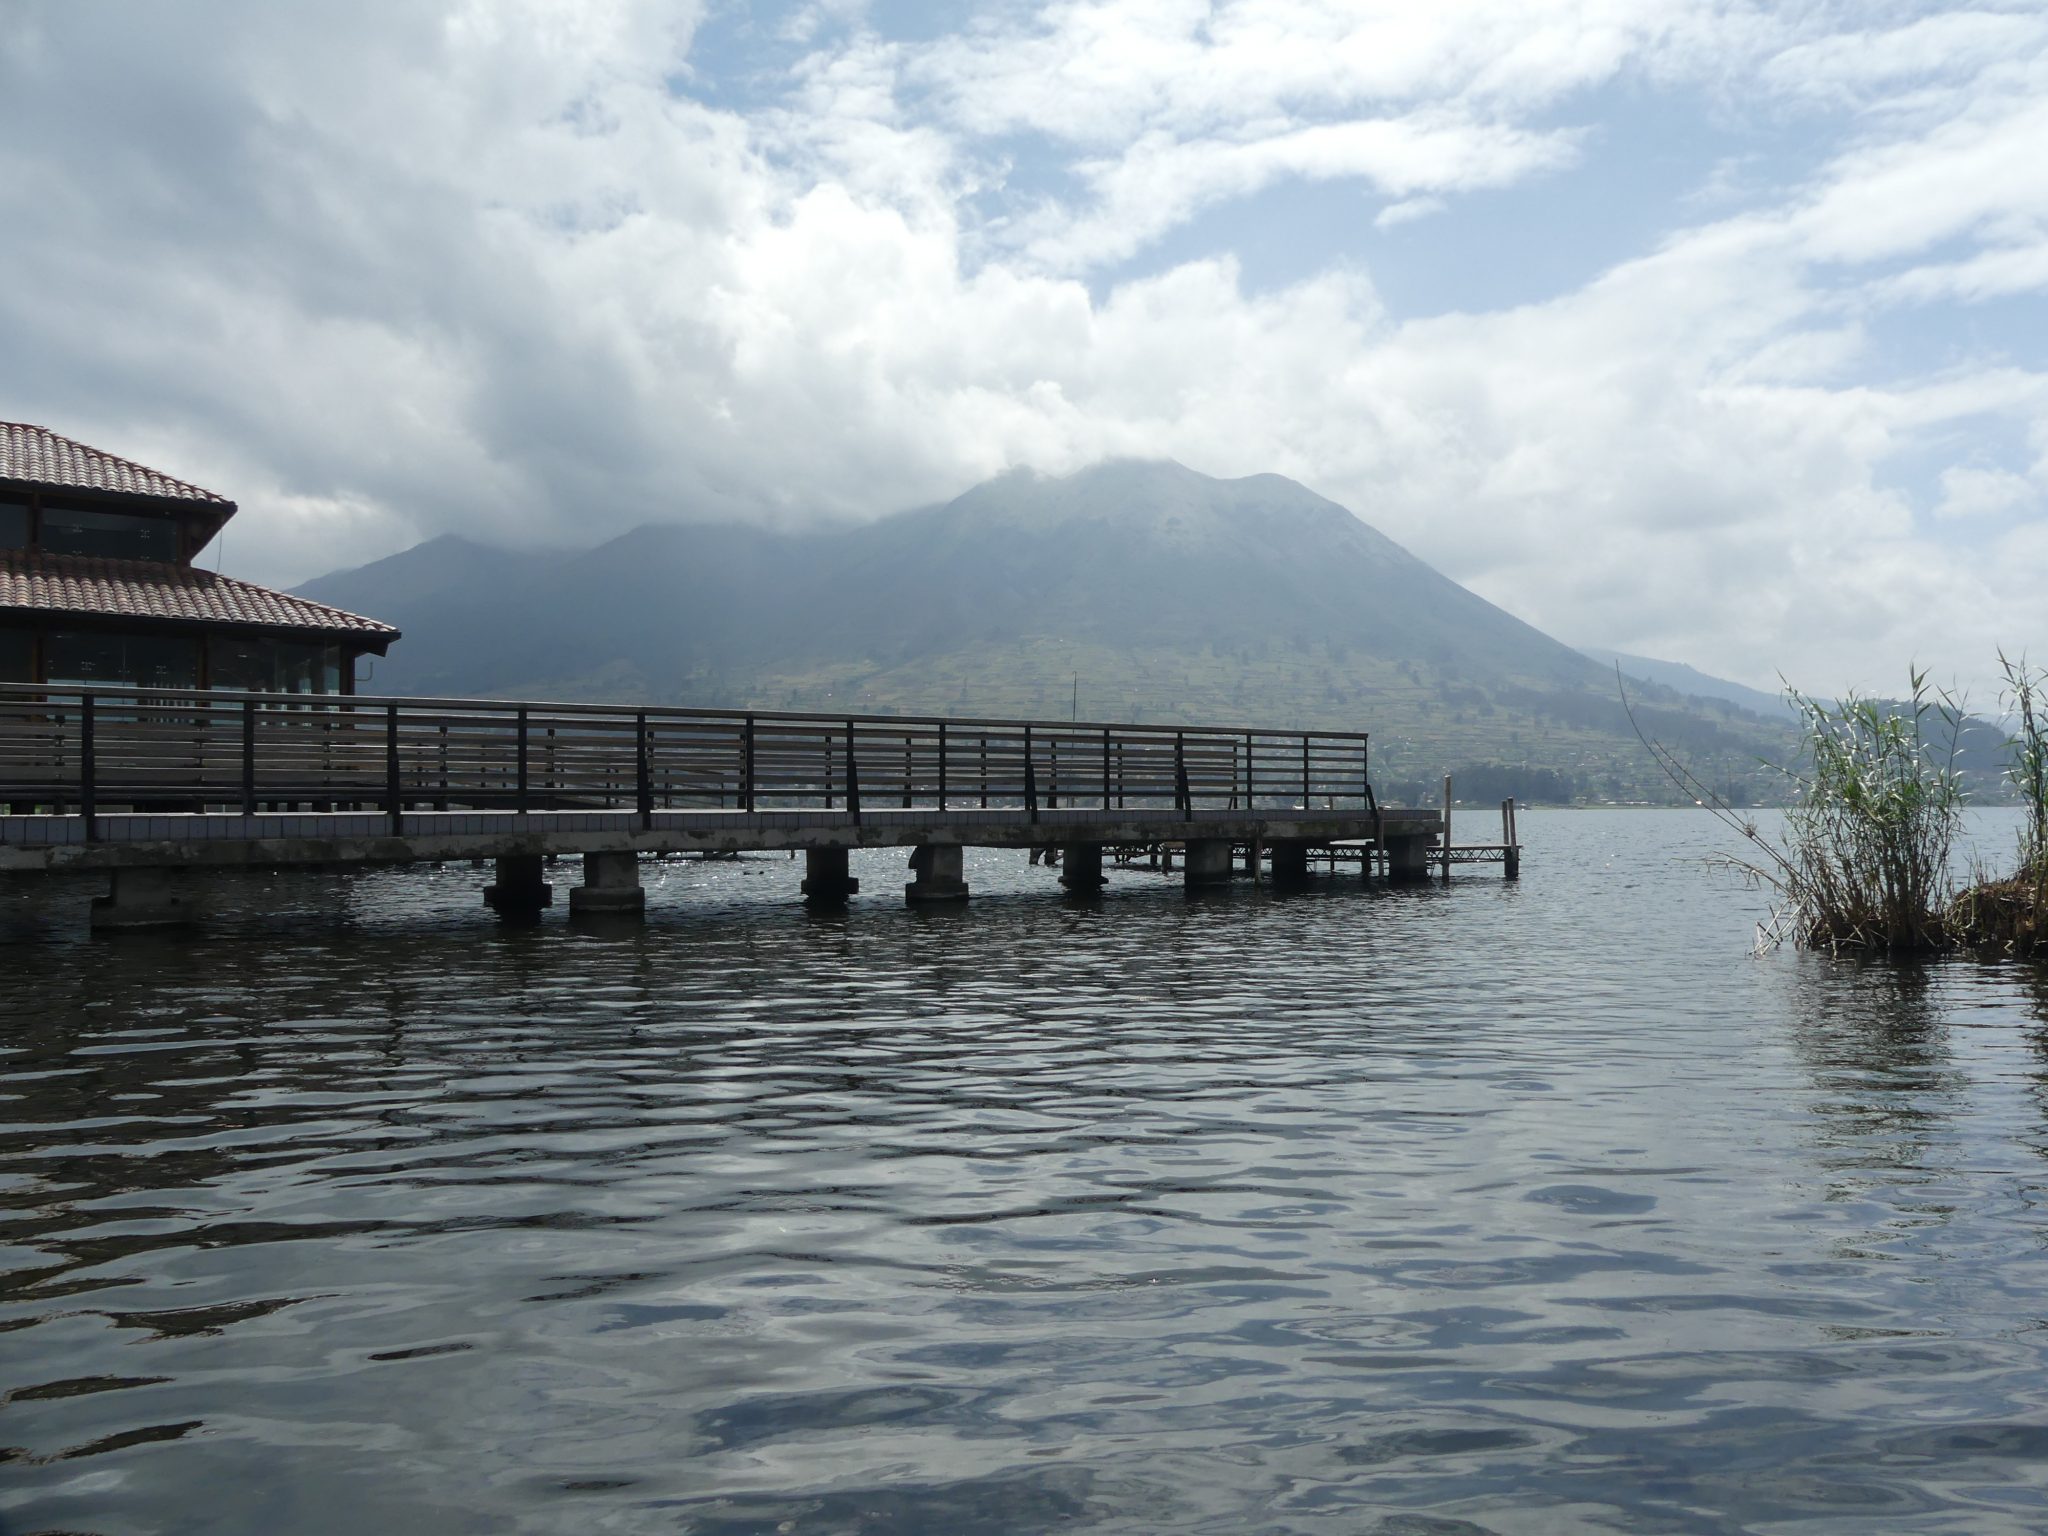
[[1692, 682], [1158, 593]]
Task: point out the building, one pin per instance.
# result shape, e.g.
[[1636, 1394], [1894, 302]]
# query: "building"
[[98, 584]]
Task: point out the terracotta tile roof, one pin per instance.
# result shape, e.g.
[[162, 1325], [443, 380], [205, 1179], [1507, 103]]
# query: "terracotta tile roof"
[[148, 589], [42, 457]]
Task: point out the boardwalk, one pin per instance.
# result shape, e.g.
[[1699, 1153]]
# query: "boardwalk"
[[153, 784]]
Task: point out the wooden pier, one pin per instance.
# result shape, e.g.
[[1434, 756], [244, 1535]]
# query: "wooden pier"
[[154, 786]]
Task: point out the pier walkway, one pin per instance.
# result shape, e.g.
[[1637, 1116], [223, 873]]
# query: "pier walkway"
[[154, 786]]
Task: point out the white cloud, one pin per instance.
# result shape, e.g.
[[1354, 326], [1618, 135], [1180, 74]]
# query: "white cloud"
[[387, 271], [1407, 211], [1969, 492]]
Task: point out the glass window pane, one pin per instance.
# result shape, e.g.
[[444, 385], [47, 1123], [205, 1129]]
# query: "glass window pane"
[[109, 535], [303, 668], [13, 524], [17, 653], [149, 661], [262, 666], [245, 666]]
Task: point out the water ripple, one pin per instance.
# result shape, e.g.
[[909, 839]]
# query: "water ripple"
[[1496, 1209]]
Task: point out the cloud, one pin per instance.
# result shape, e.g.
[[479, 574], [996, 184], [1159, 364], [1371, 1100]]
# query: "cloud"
[[1984, 492], [1407, 211], [392, 270]]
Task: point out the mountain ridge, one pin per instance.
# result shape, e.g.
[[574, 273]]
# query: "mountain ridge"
[[1168, 595]]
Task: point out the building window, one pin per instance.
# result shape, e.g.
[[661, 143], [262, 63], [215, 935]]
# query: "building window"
[[271, 666], [309, 668], [148, 661], [109, 535], [241, 666], [17, 656], [13, 524]]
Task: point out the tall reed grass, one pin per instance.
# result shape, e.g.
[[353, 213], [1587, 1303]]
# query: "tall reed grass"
[[2009, 914], [1874, 808], [1872, 827]]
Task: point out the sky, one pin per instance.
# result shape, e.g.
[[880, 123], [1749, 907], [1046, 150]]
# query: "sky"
[[1707, 330]]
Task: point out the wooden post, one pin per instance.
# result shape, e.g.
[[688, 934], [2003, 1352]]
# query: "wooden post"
[[1447, 826], [1105, 768], [747, 767], [248, 757], [852, 778], [643, 773], [942, 767], [394, 802], [521, 801], [1030, 779], [88, 788], [1513, 857]]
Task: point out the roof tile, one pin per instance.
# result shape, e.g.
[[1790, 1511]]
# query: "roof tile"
[[147, 589], [43, 457]]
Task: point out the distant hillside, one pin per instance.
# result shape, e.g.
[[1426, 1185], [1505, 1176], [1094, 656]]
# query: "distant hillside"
[[1692, 682], [1981, 748], [1169, 595]]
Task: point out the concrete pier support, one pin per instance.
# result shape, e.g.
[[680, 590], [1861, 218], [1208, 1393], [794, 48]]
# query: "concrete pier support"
[[1290, 862], [1208, 862], [827, 881], [1408, 857], [1081, 869], [940, 875], [146, 898], [611, 886], [521, 889]]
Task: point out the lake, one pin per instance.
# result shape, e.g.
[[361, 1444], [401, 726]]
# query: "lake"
[[1510, 1208]]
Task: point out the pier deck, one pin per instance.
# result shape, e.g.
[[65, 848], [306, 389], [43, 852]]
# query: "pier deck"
[[158, 783]]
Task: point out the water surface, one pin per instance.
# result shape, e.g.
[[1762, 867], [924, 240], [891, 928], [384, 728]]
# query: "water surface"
[[1498, 1208]]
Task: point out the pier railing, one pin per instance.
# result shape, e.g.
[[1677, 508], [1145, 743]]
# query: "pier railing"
[[83, 750]]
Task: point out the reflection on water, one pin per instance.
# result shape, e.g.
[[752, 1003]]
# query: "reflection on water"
[[1491, 1209]]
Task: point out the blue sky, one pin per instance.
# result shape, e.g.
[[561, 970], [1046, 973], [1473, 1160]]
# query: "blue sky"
[[1705, 329]]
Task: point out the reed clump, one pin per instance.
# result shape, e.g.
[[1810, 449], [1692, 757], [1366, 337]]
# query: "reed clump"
[[1865, 860], [2009, 914], [1875, 806]]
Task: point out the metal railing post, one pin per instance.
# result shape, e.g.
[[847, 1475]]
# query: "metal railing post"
[[942, 765], [1304, 772]]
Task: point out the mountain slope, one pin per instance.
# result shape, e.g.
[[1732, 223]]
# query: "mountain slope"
[[1683, 679], [1155, 592]]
